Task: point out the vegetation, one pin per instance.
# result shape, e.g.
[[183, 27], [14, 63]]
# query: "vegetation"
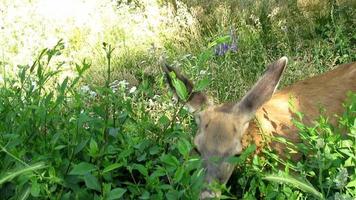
[[101, 124]]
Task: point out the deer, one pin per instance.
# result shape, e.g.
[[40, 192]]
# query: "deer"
[[226, 129]]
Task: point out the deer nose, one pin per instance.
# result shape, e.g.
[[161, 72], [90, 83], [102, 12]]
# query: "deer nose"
[[207, 194]]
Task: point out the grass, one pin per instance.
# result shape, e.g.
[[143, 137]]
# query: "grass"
[[109, 130]]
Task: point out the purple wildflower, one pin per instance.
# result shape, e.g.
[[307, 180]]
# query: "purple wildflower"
[[223, 48]]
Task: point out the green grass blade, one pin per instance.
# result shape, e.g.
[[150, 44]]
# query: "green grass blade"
[[25, 193], [304, 186], [10, 175]]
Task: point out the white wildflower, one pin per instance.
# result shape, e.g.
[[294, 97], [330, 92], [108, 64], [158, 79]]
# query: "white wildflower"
[[274, 12], [284, 28], [34, 85], [151, 103], [283, 25], [114, 83], [256, 20], [85, 89], [92, 94], [341, 178], [132, 90], [123, 83], [320, 143], [202, 72], [86, 126]]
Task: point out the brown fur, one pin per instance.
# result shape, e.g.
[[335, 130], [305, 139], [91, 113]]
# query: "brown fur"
[[327, 91]]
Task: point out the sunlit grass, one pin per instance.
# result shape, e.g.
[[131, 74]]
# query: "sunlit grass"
[[84, 25]]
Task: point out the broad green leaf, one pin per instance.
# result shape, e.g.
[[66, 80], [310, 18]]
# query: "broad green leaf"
[[112, 167], [142, 169], [351, 184], [184, 147], [164, 120], [82, 169], [154, 150], [80, 146], [172, 195], [170, 160], [10, 175], [179, 86], [201, 85], [244, 155], [158, 173], [145, 195], [114, 131], [302, 185], [179, 174], [116, 193], [93, 145], [35, 189], [92, 182]]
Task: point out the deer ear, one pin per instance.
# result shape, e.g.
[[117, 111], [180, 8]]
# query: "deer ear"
[[196, 100], [262, 91]]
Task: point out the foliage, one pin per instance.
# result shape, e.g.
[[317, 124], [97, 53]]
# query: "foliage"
[[96, 143]]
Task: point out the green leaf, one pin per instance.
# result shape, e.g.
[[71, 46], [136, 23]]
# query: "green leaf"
[[64, 85], [92, 182], [142, 169], [164, 120], [145, 195], [184, 147], [351, 184], [220, 40], [179, 86], [114, 131], [179, 174], [244, 155], [172, 195], [10, 175], [201, 85], [82, 169], [80, 146], [35, 189], [112, 167], [302, 185], [116, 193], [170, 160], [93, 145], [154, 150], [158, 173]]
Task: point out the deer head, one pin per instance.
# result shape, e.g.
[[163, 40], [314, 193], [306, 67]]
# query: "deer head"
[[221, 127]]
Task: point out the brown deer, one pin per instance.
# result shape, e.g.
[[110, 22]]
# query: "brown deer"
[[225, 130]]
